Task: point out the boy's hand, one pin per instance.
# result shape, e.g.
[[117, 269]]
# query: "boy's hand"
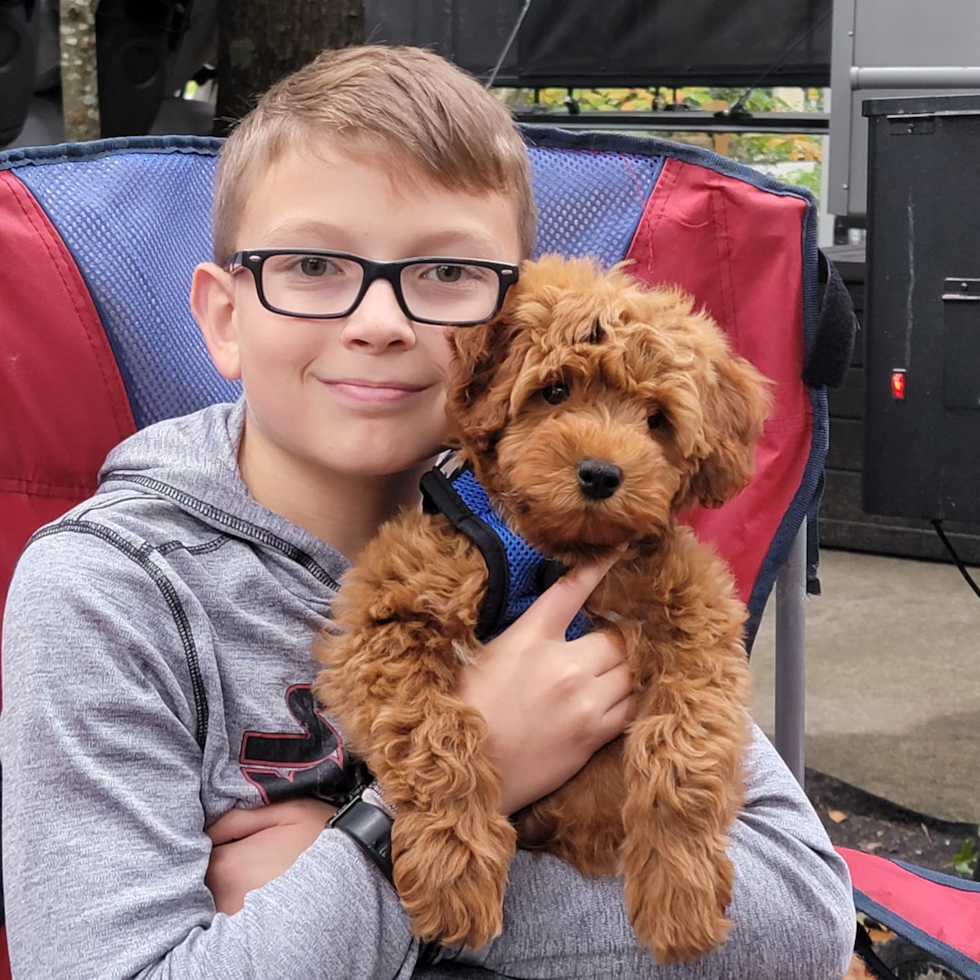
[[251, 847], [549, 704]]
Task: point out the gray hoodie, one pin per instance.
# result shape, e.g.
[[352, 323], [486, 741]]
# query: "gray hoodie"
[[156, 672]]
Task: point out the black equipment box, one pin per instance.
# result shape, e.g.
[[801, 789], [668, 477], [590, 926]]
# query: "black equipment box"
[[922, 341]]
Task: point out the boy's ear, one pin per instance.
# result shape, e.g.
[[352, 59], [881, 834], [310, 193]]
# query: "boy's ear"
[[213, 305]]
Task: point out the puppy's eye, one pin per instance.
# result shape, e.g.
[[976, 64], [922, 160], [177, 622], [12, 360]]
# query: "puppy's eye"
[[555, 394], [656, 421]]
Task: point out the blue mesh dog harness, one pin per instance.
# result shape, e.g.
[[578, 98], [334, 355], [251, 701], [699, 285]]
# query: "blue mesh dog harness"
[[516, 573]]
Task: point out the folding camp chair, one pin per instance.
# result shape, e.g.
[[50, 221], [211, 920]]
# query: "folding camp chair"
[[99, 241]]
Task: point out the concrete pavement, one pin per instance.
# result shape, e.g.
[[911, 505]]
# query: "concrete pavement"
[[893, 681]]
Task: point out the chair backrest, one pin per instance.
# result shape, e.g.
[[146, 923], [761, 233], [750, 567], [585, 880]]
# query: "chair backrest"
[[100, 239], [96, 338]]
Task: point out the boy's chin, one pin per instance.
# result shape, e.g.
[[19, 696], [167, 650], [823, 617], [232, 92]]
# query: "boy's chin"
[[371, 466]]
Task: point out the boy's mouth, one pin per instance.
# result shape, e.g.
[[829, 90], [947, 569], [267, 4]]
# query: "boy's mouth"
[[363, 390]]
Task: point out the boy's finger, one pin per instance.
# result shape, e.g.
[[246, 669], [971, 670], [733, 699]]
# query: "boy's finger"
[[613, 686], [558, 605], [606, 653], [236, 824], [617, 718]]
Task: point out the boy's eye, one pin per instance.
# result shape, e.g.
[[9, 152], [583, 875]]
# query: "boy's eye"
[[445, 273], [313, 265], [555, 394]]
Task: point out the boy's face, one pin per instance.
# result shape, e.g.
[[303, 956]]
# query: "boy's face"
[[362, 395]]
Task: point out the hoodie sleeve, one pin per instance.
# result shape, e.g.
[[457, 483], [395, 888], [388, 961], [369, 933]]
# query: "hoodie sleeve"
[[104, 854], [792, 907]]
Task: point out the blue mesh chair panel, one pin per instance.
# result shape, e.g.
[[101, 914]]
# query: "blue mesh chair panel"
[[136, 224], [590, 202]]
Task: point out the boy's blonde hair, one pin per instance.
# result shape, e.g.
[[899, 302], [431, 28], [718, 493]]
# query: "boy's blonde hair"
[[406, 105]]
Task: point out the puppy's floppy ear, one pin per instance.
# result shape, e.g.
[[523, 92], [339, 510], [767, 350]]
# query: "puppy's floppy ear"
[[736, 403], [476, 401]]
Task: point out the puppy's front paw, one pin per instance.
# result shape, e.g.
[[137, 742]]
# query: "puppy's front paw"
[[677, 907], [452, 883]]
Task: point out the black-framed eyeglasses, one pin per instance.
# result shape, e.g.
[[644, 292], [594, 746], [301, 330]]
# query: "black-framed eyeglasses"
[[322, 285]]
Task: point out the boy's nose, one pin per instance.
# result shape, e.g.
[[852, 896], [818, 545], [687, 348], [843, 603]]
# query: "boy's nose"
[[379, 322]]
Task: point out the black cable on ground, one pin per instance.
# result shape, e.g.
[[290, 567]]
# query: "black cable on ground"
[[938, 525]]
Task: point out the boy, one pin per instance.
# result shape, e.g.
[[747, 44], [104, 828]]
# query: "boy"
[[156, 646]]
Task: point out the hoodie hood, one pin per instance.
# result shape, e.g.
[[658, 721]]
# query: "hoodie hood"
[[191, 463]]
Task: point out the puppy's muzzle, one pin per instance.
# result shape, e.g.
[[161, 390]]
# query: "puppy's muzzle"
[[598, 479]]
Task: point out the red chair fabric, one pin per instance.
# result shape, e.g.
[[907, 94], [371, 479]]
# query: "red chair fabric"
[[64, 402]]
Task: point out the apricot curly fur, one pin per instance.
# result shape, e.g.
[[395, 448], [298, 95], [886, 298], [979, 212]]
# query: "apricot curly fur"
[[654, 389]]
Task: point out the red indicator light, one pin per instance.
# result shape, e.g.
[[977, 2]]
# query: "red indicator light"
[[898, 384]]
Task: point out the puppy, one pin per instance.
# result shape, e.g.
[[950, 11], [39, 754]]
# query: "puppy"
[[591, 411]]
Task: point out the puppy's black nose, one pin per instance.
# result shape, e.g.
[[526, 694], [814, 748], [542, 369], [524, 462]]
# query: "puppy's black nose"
[[598, 479]]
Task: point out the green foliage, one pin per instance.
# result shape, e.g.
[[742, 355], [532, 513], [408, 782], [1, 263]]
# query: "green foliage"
[[750, 148], [966, 861], [810, 179]]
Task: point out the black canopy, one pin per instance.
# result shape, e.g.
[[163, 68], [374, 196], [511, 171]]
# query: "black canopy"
[[619, 42]]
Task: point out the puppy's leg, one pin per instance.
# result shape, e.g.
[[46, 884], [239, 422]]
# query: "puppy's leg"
[[389, 677], [390, 686], [451, 848], [582, 822], [683, 791]]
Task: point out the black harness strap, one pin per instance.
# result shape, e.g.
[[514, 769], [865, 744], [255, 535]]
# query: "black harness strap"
[[440, 496]]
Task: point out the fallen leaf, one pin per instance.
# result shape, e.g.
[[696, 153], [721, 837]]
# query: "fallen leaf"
[[838, 816], [880, 935], [870, 846]]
